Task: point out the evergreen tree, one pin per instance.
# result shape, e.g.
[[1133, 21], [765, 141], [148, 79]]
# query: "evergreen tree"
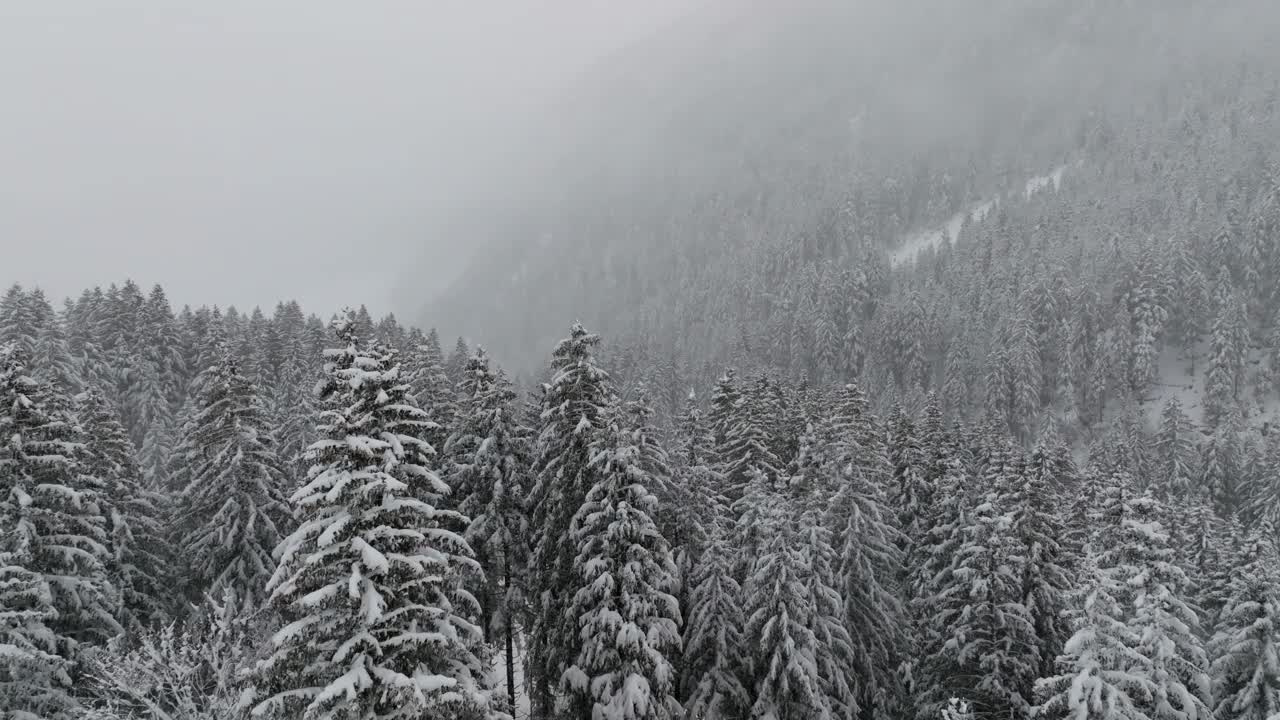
[[1031, 501], [488, 460], [989, 654], [1175, 452], [51, 512], [572, 420], [139, 564], [1100, 673], [625, 575], [786, 678], [35, 678], [1165, 623], [742, 446], [371, 584], [232, 510], [432, 386], [457, 362], [866, 541], [1246, 644], [714, 647], [19, 320]]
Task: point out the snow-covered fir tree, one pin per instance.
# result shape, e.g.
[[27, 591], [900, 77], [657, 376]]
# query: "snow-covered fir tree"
[[55, 540], [1153, 598], [487, 473], [1100, 674], [1245, 648], [786, 680], [231, 510], [140, 564], [624, 601], [714, 646], [373, 586], [574, 415]]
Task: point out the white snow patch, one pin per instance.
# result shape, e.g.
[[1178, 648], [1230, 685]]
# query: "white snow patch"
[[914, 243], [918, 240], [1176, 381], [497, 677], [1040, 182]]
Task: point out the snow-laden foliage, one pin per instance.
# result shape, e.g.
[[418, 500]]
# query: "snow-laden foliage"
[[231, 510], [52, 510], [1245, 648], [573, 418], [377, 620], [625, 578]]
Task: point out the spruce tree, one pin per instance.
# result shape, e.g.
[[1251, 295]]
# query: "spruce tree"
[[1246, 644], [989, 652], [378, 620], [487, 467], [232, 511], [51, 508], [623, 602], [1031, 503], [787, 683], [1100, 673], [1154, 599], [572, 420], [432, 386], [35, 677], [866, 541], [714, 646], [140, 564]]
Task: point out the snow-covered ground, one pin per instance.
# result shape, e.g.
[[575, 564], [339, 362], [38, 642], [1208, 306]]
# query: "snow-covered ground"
[[498, 677], [1176, 382], [914, 242]]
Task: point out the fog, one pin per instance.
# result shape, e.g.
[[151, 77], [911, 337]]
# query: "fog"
[[240, 152]]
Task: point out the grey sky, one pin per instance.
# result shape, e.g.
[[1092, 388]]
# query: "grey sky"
[[242, 151]]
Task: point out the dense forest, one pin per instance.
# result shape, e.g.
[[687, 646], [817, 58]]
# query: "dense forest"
[[215, 513], [947, 393]]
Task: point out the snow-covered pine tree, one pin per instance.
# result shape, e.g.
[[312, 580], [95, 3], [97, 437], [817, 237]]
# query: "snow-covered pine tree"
[[786, 681], [35, 678], [835, 655], [912, 495], [1100, 673], [989, 654], [1031, 499], [140, 564], [1228, 353], [51, 511], [457, 362], [625, 579], [868, 560], [714, 647], [1167, 626], [1175, 453], [487, 472], [19, 320], [378, 622], [432, 386], [572, 419], [1245, 648], [52, 360], [232, 512], [927, 580], [293, 410], [1222, 466], [695, 508]]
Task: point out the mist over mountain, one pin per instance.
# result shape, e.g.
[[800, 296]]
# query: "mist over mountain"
[[751, 128], [868, 360]]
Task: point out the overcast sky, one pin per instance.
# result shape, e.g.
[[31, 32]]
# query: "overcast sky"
[[242, 151]]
